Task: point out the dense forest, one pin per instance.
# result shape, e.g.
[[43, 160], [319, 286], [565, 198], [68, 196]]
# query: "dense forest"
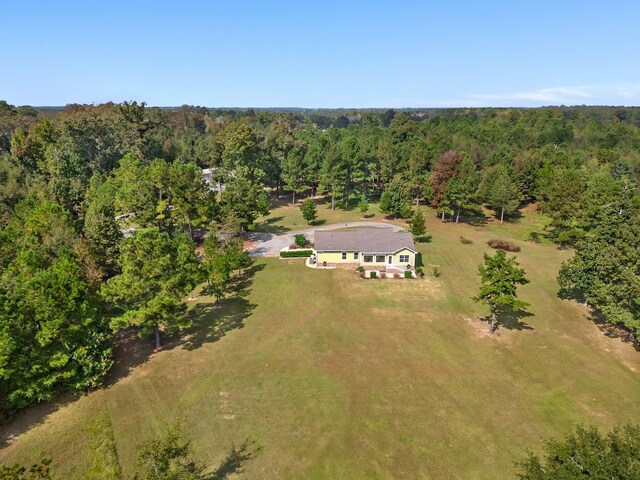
[[74, 182]]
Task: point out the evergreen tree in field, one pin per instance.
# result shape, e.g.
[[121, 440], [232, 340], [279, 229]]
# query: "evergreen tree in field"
[[586, 453], [309, 210], [217, 268], [157, 272], [263, 205], [500, 277], [418, 225], [395, 199], [363, 205], [501, 191]]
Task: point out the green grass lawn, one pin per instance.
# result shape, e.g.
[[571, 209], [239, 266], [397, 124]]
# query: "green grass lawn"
[[332, 376]]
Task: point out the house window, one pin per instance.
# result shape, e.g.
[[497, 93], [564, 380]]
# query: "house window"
[[355, 255], [344, 255], [379, 258], [368, 258], [404, 258]]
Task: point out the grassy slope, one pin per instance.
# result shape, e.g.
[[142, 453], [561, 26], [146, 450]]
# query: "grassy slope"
[[336, 377]]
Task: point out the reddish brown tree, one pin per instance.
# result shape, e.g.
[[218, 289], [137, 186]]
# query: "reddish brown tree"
[[445, 168]]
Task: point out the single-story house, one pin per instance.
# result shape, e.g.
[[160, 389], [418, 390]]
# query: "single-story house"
[[371, 248]]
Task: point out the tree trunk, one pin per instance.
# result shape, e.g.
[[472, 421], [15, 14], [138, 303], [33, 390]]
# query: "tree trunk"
[[333, 201], [294, 197], [492, 328], [417, 200], [458, 216], [501, 215], [156, 331], [443, 215], [190, 231]]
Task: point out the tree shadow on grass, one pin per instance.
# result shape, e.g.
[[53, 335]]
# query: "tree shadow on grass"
[[510, 319], [475, 218], [423, 239], [30, 417], [210, 324], [233, 463], [268, 226], [211, 321], [611, 330]]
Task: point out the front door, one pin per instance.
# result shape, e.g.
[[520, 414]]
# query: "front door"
[[390, 260]]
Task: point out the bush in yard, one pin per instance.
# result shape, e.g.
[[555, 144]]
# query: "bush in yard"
[[534, 237], [436, 271], [361, 269], [373, 274], [408, 274], [300, 240], [503, 245], [420, 272], [295, 253], [465, 241]]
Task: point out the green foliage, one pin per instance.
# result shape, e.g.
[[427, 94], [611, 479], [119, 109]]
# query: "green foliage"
[[295, 253], [395, 200], [501, 192], [436, 271], [309, 210], [418, 226], [605, 269], [53, 335], [373, 274], [157, 272], [363, 205], [38, 471], [300, 239], [408, 274], [168, 457], [586, 453], [500, 277], [100, 228]]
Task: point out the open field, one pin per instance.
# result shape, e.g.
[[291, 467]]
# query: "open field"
[[335, 377]]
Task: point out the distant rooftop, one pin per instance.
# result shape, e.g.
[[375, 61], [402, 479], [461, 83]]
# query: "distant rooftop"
[[371, 240]]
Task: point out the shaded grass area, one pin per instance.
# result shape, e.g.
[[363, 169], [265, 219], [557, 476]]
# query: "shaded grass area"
[[334, 377]]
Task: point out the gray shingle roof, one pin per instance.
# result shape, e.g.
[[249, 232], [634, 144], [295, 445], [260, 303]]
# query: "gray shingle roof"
[[373, 240]]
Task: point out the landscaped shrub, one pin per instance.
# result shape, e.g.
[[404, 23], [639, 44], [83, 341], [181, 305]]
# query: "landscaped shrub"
[[295, 253], [420, 272], [407, 274], [300, 240], [436, 271], [361, 269], [373, 274], [503, 245], [465, 241]]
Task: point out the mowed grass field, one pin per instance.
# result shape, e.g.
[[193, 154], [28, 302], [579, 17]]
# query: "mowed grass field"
[[331, 376]]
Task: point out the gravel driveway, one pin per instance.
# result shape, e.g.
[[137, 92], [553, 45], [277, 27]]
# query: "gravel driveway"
[[270, 244]]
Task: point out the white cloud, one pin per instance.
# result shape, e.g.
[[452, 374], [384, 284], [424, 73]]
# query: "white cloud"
[[617, 94]]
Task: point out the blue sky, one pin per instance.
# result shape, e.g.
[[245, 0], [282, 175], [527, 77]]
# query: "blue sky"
[[321, 54]]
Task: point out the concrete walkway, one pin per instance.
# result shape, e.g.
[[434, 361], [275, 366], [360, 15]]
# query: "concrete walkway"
[[270, 244]]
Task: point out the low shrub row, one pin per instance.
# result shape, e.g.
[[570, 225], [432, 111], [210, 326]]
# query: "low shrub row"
[[503, 245], [295, 253]]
